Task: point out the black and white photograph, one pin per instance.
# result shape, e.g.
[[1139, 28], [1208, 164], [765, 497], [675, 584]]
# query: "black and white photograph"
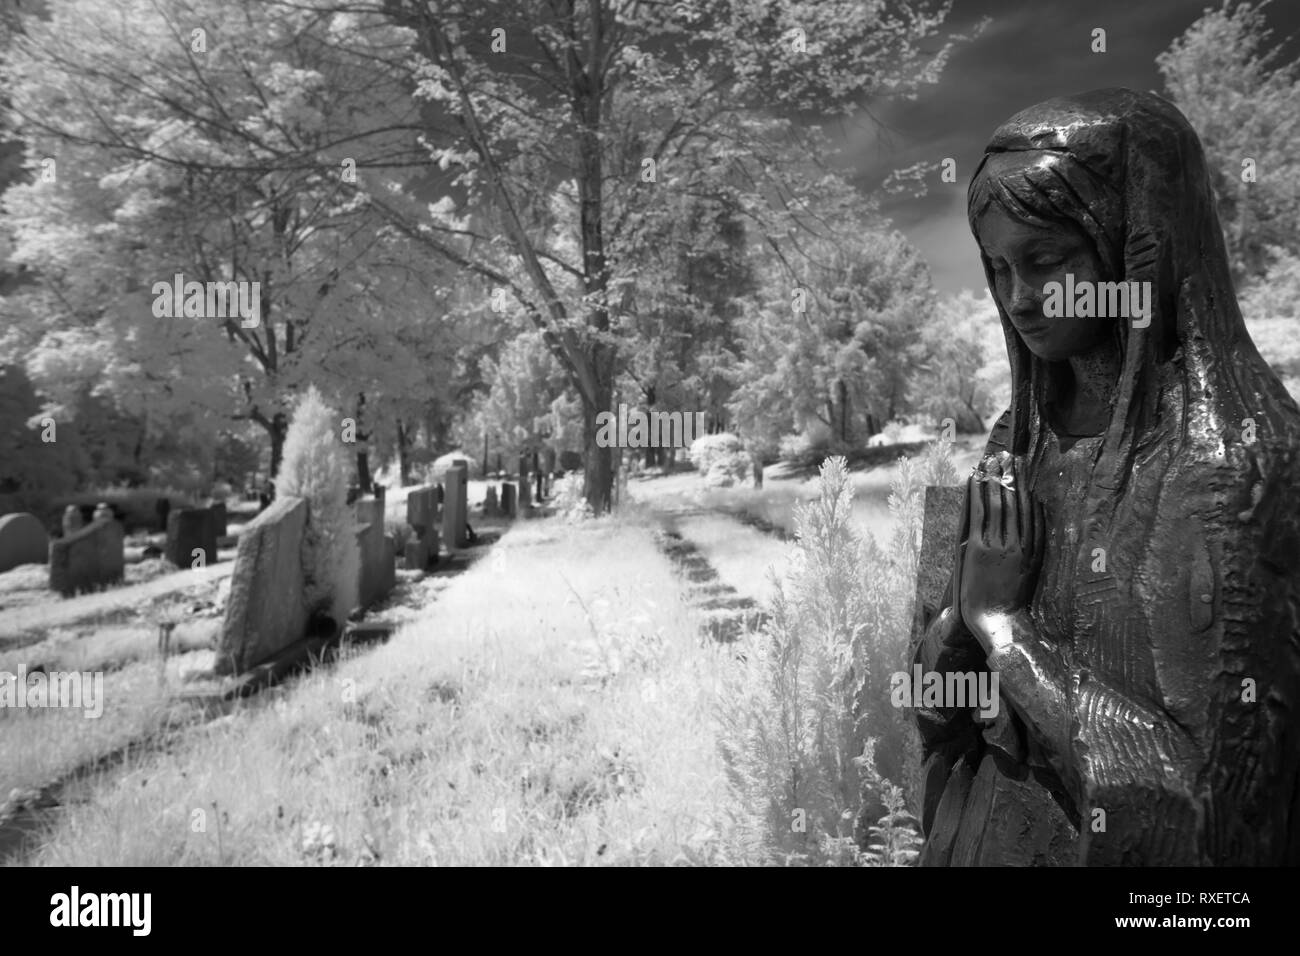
[[636, 433]]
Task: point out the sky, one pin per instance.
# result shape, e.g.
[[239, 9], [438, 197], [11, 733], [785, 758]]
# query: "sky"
[[1031, 51]]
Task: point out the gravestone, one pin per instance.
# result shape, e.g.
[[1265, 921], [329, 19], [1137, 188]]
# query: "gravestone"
[[22, 541], [508, 499], [266, 610], [73, 520], [162, 508], [219, 518], [188, 530], [88, 559], [378, 572], [454, 514], [525, 498], [422, 516], [490, 506]]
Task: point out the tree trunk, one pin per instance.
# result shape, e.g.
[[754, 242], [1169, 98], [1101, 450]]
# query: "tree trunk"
[[279, 427], [403, 453], [363, 471], [844, 412], [598, 468]]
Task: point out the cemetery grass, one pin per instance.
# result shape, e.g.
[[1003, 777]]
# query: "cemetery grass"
[[39, 747], [557, 705]]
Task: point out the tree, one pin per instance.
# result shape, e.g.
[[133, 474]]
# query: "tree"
[[966, 376], [567, 124], [837, 344], [1245, 105], [169, 124]]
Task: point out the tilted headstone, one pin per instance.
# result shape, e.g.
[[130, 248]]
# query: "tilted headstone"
[[454, 513], [88, 559], [266, 610], [190, 530], [22, 541]]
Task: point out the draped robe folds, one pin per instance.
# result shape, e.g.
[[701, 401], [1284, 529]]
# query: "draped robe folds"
[[1161, 727]]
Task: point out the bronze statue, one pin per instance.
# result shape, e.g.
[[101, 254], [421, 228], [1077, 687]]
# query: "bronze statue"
[[1129, 563]]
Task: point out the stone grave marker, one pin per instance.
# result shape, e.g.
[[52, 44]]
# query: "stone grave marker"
[[190, 529], [88, 559], [454, 513], [266, 610], [22, 541]]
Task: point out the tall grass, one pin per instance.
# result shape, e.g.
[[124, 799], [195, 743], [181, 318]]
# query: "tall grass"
[[821, 763]]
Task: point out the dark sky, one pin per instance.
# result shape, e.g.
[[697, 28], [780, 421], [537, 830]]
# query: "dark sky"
[[1033, 50]]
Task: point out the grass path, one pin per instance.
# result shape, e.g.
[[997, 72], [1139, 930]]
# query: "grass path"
[[557, 705]]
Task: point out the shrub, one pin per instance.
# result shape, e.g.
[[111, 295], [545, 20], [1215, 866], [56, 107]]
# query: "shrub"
[[315, 466], [568, 500], [721, 459], [810, 740]]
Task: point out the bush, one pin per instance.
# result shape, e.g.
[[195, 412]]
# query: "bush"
[[568, 500], [315, 466], [722, 460], [810, 739]]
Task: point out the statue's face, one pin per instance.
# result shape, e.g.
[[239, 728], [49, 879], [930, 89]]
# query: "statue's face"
[[1025, 259]]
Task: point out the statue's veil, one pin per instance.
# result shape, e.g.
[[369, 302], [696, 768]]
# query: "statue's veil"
[[1195, 484]]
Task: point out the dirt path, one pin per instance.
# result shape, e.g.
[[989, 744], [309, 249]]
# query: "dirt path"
[[59, 612]]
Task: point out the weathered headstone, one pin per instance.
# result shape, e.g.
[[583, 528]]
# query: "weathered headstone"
[[453, 507], [939, 527], [422, 516], [490, 506], [88, 559], [266, 610], [508, 499], [219, 518], [188, 530], [378, 572], [73, 520], [22, 541]]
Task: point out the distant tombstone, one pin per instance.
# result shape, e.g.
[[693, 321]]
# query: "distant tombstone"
[[422, 509], [88, 559], [22, 541], [266, 610], [73, 520], [188, 530], [758, 471], [378, 552], [453, 507], [490, 506], [525, 467], [508, 499], [219, 518], [162, 508]]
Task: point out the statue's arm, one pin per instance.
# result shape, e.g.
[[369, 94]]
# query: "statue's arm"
[[1124, 762]]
